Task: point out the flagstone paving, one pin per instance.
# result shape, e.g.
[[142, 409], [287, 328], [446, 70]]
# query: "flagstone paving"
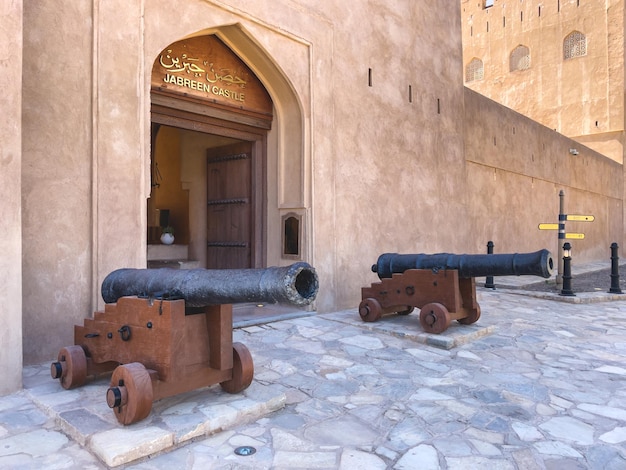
[[535, 384]]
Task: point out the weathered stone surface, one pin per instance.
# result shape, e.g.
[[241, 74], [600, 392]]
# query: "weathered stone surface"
[[353, 459], [403, 408], [120, 446], [569, 429], [37, 443], [285, 459], [422, 456]]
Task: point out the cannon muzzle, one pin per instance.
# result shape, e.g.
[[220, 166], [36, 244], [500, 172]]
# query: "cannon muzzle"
[[296, 284], [539, 263]]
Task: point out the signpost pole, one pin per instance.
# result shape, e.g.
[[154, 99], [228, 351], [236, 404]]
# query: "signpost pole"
[[561, 232], [562, 235]]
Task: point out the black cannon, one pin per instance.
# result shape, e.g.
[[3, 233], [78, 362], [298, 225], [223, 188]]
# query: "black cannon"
[[442, 285], [296, 284], [538, 263], [153, 339]]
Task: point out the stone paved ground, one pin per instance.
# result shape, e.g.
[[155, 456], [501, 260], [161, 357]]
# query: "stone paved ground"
[[544, 390], [590, 281]]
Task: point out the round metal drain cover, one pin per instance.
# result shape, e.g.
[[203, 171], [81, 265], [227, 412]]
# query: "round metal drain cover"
[[245, 450]]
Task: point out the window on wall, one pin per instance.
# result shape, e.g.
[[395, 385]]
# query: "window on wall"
[[519, 59], [474, 70], [574, 45], [488, 3]]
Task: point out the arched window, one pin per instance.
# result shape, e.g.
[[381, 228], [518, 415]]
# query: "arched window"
[[574, 45], [519, 58], [474, 70]]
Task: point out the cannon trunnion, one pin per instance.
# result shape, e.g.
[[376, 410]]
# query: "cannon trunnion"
[[442, 286], [163, 333]]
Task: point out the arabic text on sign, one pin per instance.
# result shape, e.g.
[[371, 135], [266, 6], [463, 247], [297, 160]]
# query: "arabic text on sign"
[[175, 65]]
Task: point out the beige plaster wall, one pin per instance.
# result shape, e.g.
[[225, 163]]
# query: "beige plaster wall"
[[582, 96], [517, 167], [10, 195], [398, 162], [86, 161], [121, 140], [56, 173], [371, 168]]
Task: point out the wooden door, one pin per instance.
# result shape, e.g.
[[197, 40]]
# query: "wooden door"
[[230, 207]]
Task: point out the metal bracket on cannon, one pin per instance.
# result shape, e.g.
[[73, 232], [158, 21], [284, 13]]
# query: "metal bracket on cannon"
[[159, 347], [442, 285]]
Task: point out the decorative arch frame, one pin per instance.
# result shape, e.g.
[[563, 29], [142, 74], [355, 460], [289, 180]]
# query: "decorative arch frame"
[[519, 59], [574, 45], [475, 70], [288, 179]]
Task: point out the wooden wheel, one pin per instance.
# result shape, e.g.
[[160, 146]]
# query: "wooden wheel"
[[407, 311], [71, 367], [434, 318], [370, 310], [473, 317], [243, 370], [130, 393]]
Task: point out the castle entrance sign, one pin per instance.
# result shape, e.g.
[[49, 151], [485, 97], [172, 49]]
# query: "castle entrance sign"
[[205, 69]]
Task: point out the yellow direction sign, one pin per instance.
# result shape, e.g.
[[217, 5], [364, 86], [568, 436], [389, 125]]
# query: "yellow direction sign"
[[577, 236], [581, 218], [548, 226]]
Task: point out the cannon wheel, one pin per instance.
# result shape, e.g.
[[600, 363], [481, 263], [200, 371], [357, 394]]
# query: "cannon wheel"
[[71, 367], [243, 370], [406, 311], [370, 310], [130, 394], [473, 317], [434, 318]]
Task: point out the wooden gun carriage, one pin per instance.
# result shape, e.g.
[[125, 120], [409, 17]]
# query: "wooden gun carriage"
[[442, 285], [167, 331]]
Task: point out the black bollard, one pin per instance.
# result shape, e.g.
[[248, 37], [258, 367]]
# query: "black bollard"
[[489, 279], [615, 289], [567, 270]]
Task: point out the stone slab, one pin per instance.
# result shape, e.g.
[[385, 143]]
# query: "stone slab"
[[408, 327], [174, 421], [577, 298]]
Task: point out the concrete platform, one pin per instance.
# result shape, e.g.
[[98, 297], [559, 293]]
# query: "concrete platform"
[[408, 326], [83, 415]]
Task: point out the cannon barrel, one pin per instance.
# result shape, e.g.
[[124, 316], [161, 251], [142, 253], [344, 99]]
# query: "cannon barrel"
[[296, 284], [538, 263]]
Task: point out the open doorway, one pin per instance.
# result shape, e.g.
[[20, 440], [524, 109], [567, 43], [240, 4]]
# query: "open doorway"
[[208, 189], [204, 192], [211, 117]]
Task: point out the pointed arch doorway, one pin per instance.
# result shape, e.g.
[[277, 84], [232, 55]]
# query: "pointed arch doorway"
[[210, 121], [210, 116]]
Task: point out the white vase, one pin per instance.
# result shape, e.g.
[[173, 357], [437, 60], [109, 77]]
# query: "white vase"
[[167, 238]]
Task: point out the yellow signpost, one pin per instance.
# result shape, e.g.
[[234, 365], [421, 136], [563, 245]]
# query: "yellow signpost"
[[561, 227], [581, 218], [562, 235]]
